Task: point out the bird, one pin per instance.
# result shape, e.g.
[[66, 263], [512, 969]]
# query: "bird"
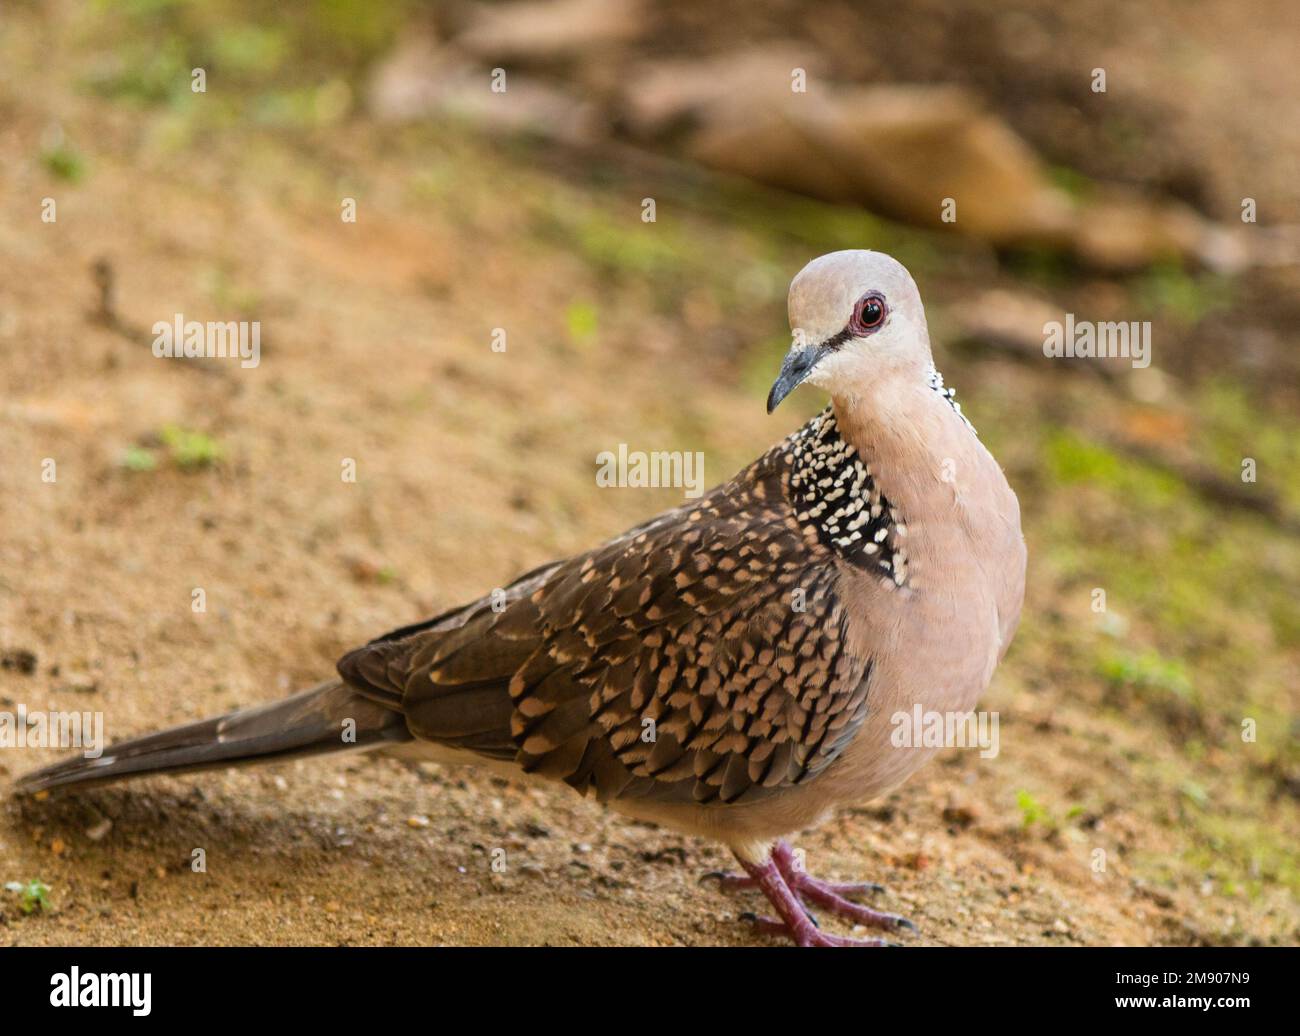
[[734, 668]]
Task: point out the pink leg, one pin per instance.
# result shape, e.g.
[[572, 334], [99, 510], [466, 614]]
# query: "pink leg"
[[787, 887], [789, 864], [785, 859], [795, 920], [830, 895]]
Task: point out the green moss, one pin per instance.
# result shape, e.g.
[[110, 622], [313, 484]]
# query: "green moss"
[[626, 245], [1046, 268], [1032, 811], [138, 458], [1167, 291], [64, 161], [581, 321], [190, 449], [1147, 671], [1070, 458], [282, 55], [247, 50], [1073, 459], [33, 895], [1072, 182], [1229, 431]]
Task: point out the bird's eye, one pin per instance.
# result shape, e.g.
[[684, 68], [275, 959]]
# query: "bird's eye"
[[868, 314]]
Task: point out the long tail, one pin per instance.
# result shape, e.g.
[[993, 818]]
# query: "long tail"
[[309, 723]]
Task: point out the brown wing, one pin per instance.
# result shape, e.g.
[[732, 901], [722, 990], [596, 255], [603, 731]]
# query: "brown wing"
[[700, 656]]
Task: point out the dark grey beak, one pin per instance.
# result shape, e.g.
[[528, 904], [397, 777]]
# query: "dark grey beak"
[[798, 364]]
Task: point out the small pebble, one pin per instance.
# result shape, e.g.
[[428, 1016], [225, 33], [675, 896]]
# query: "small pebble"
[[96, 832]]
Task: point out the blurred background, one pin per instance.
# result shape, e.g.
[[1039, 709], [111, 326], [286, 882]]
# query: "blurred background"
[[1119, 162]]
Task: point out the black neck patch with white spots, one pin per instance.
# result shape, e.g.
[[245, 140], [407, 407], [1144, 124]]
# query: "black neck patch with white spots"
[[833, 493], [949, 395]]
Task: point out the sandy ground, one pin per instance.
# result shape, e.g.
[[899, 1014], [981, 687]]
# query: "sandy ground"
[[472, 466]]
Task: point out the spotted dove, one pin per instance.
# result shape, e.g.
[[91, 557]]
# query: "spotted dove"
[[733, 668]]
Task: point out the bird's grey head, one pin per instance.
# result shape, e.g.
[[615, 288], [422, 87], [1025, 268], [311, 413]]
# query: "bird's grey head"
[[856, 317]]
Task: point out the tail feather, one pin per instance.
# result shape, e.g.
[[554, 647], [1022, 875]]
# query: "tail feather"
[[309, 723]]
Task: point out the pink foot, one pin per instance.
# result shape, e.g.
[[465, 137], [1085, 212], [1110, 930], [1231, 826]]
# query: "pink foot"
[[788, 887], [806, 933]]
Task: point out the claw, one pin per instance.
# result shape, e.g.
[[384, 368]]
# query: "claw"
[[766, 925], [813, 936], [727, 880], [854, 888], [851, 911]]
